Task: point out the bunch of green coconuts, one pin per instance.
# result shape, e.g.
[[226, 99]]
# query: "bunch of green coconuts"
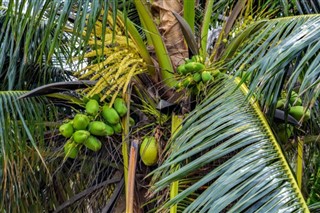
[[296, 110], [194, 73], [97, 121]]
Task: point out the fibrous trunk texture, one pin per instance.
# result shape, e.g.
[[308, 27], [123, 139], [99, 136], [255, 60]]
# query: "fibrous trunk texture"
[[170, 29]]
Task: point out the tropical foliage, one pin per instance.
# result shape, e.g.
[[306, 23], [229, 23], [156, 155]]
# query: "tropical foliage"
[[230, 141]]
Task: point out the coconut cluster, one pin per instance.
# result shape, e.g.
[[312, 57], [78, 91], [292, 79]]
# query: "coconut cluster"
[[295, 107], [194, 72], [99, 120], [296, 110]]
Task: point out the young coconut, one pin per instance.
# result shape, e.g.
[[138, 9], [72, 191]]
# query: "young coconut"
[[197, 77], [80, 122], [120, 106], [99, 128], [92, 107], [117, 128], [194, 67], [206, 76], [188, 82], [295, 100], [66, 130], [110, 115], [149, 151], [80, 136], [93, 143], [284, 132], [298, 112], [70, 150], [181, 69], [132, 122]]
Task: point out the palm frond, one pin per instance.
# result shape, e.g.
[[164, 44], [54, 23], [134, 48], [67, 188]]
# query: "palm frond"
[[279, 54], [229, 18], [24, 128], [27, 40], [228, 155], [307, 7]]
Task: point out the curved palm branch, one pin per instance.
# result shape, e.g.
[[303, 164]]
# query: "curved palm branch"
[[279, 54], [27, 42], [229, 158], [24, 128], [307, 7]]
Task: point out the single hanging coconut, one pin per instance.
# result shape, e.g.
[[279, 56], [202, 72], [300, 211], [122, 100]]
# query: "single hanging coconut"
[[132, 122], [149, 151]]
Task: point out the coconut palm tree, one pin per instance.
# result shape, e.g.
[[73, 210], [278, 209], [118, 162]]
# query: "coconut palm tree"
[[232, 140]]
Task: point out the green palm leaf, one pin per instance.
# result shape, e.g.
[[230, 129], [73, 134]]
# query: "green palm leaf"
[[280, 53], [22, 140], [227, 146], [307, 7], [26, 46]]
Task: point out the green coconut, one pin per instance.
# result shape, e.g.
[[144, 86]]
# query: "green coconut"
[[99, 128], [110, 115], [66, 130], [188, 82], [120, 106], [284, 132], [194, 67], [93, 143], [81, 136], [215, 73], [71, 150], [295, 100], [181, 69], [149, 151], [197, 77], [92, 107], [132, 122], [178, 85], [281, 103], [206, 76], [197, 58], [117, 128], [80, 121], [298, 112]]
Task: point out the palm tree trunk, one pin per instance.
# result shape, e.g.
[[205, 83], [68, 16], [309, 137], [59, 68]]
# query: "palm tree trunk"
[[170, 29]]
